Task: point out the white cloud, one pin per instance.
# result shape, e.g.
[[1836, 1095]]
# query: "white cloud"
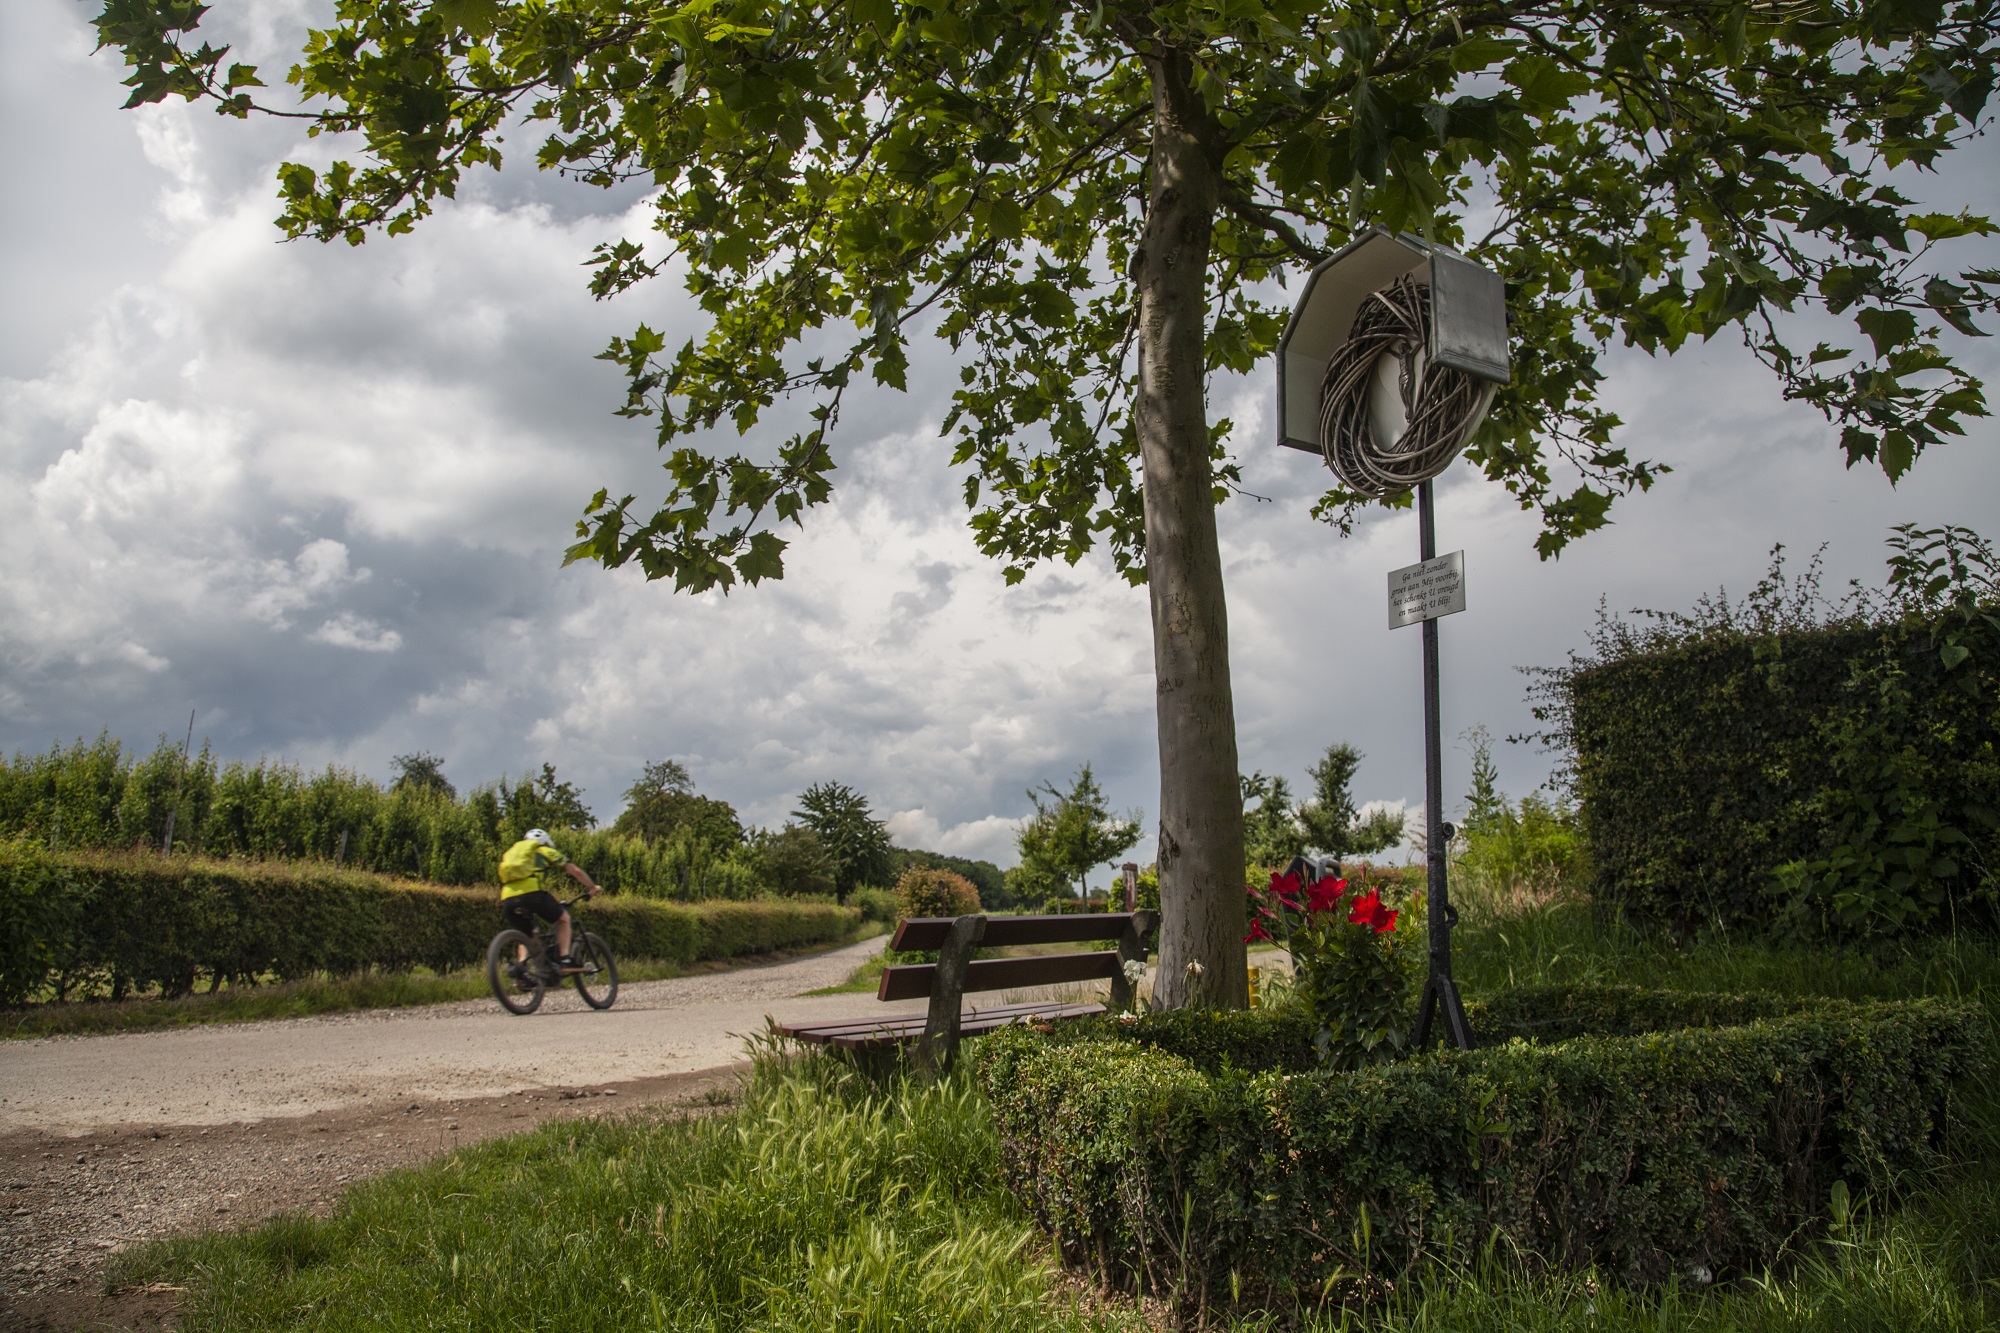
[[357, 632]]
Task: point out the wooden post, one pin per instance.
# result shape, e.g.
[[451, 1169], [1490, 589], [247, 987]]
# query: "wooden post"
[[1131, 870], [939, 1045], [1131, 948], [340, 852]]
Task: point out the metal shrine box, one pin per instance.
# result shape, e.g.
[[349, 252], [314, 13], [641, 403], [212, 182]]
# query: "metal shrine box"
[[1468, 320]]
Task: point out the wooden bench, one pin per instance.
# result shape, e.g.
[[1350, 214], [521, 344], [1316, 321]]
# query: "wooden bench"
[[956, 973]]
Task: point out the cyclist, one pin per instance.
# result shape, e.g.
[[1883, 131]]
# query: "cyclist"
[[525, 869]]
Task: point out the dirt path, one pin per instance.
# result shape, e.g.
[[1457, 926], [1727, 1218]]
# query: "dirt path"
[[105, 1141], [252, 1071]]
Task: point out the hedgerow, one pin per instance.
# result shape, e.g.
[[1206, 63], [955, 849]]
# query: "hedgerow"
[[125, 921], [1183, 1154], [1796, 766]]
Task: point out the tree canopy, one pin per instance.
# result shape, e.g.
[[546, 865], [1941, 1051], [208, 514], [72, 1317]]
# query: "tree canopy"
[[664, 804], [1639, 172], [856, 842], [1277, 829], [1070, 834]]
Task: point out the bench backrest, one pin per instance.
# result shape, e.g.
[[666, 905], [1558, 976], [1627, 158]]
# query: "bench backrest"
[[915, 980], [927, 932]]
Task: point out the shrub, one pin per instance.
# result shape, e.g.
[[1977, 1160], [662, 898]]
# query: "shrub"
[[1770, 765], [925, 891], [1152, 1151], [138, 920], [876, 905]]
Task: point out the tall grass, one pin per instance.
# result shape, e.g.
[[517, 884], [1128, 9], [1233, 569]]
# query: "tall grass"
[[820, 1204]]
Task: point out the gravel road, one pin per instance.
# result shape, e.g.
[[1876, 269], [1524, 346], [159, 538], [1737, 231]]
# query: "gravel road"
[[252, 1071], [105, 1141]]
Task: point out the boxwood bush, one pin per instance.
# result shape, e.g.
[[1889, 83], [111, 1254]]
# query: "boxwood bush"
[[133, 921], [1201, 1156]]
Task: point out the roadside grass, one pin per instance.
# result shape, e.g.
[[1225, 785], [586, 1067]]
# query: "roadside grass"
[[820, 1204], [324, 995]]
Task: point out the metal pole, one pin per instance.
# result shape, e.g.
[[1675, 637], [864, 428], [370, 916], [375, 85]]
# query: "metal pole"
[[1440, 993]]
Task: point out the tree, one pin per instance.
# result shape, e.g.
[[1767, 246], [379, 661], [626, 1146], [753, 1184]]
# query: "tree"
[[1330, 822], [1071, 833], [663, 802], [857, 842], [544, 801], [424, 772], [793, 860], [1272, 835], [1090, 203]]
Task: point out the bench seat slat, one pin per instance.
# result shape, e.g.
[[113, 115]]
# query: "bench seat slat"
[[866, 1033], [927, 932], [988, 974]]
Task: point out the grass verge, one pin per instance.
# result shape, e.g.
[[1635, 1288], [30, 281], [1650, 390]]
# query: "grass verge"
[[820, 1204]]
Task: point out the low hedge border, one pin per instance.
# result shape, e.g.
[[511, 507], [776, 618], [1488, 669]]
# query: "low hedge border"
[[1152, 1153], [134, 920]]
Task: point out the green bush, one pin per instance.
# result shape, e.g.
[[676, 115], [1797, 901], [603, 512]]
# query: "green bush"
[[924, 891], [126, 921], [1776, 767], [1187, 1162], [879, 905]]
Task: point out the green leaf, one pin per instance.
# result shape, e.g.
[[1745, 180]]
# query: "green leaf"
[[1952, 654], [1888, 329], [763, 560]]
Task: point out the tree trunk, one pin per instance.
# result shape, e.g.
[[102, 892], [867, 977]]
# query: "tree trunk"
[[1202, 959]]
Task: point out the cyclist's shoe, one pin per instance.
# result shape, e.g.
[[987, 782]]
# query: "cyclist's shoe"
[[567, 963]]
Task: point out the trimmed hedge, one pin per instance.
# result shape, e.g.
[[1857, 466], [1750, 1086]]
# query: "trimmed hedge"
[[1852, 754], [1643, 1154], [136, 920]]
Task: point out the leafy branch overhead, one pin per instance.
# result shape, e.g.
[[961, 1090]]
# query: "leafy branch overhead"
[[835, 178]]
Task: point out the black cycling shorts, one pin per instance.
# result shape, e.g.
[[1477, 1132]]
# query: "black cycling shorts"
[[522, 909]]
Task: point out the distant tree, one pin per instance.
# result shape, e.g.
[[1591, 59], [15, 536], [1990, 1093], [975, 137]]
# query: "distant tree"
[[663, 803], [422, 771], [545, 801], [1071, 833], [856, 840], [1332, 825], [1272, 834], [793, 860]]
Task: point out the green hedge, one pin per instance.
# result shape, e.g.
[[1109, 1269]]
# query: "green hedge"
[[1841, 780], [126, 921], [1643, 1155]]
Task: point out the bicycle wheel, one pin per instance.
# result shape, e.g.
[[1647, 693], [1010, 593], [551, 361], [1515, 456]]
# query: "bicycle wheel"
[[598, 982], [516, 983]]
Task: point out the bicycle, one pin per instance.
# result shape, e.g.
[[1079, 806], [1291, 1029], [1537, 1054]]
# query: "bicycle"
[[520, 979]]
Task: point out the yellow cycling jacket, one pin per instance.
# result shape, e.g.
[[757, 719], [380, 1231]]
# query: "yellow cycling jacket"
[[523, 864]]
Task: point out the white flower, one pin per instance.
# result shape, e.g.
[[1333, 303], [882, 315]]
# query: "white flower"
[[1195, 969], [1135, 971]]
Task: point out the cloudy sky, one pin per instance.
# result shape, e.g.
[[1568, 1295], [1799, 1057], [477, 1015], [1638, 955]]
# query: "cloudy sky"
[[318, 495]]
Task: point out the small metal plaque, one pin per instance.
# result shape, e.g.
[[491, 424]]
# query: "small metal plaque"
[[1427, 590]]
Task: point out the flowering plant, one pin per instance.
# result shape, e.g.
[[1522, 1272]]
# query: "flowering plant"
[[1350, 967]]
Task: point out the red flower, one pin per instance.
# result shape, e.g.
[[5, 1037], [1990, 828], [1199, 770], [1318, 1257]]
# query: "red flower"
[[1287, 890], [1257, 932], [1370, 911], [1325, 895]]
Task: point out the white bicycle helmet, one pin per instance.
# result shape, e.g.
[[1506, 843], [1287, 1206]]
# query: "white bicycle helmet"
[[541, 836]]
